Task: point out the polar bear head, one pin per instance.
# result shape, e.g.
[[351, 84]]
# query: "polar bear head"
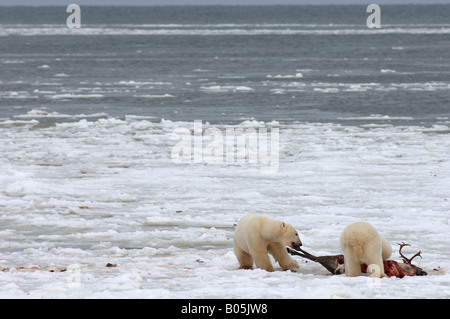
[[289, 236]]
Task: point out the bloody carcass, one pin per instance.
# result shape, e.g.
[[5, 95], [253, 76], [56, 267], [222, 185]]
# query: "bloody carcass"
[[335, 263]]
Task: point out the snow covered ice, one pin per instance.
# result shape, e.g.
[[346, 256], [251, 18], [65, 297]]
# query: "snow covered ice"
[[84, 194]]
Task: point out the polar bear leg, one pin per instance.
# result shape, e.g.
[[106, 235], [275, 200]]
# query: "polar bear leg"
[[263, 262], [281, 255], [375, 259], [352, 264], [352, 268], [260, 256], [244, 259], [376, 267]]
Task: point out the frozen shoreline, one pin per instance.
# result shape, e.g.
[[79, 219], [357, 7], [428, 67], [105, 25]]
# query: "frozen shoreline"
[[106, 191]]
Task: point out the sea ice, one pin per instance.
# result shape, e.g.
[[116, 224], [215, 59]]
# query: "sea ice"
[[81, 195]]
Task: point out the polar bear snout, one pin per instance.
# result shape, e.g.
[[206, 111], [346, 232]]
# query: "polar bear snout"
[[295, 241]]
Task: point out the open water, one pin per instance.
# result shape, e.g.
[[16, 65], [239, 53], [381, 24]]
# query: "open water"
[[228, 64]]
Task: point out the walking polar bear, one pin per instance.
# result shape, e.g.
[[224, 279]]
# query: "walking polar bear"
[[256, 236], [361, 244]]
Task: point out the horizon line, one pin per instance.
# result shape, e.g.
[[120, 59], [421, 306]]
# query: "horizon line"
[[223, 5]]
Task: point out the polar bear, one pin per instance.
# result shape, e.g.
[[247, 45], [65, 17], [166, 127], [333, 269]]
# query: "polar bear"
[[256, 236], [362, 244]]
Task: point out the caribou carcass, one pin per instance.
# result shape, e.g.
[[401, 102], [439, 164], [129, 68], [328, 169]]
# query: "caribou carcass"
[[335, 263]]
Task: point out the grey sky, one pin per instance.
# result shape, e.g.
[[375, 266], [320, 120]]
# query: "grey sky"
[[211, 2]]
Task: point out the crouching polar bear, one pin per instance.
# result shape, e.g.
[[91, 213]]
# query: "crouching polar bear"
[[256, 236], [361, 244]]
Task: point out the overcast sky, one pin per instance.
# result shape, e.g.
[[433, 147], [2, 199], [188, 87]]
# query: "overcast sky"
[[211, 2]]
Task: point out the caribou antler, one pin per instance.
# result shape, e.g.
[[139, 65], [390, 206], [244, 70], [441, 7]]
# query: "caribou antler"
[[407, 260]]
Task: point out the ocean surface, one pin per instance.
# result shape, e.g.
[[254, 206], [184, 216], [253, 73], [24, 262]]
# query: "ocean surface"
[[130, 147], [228, 64]]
